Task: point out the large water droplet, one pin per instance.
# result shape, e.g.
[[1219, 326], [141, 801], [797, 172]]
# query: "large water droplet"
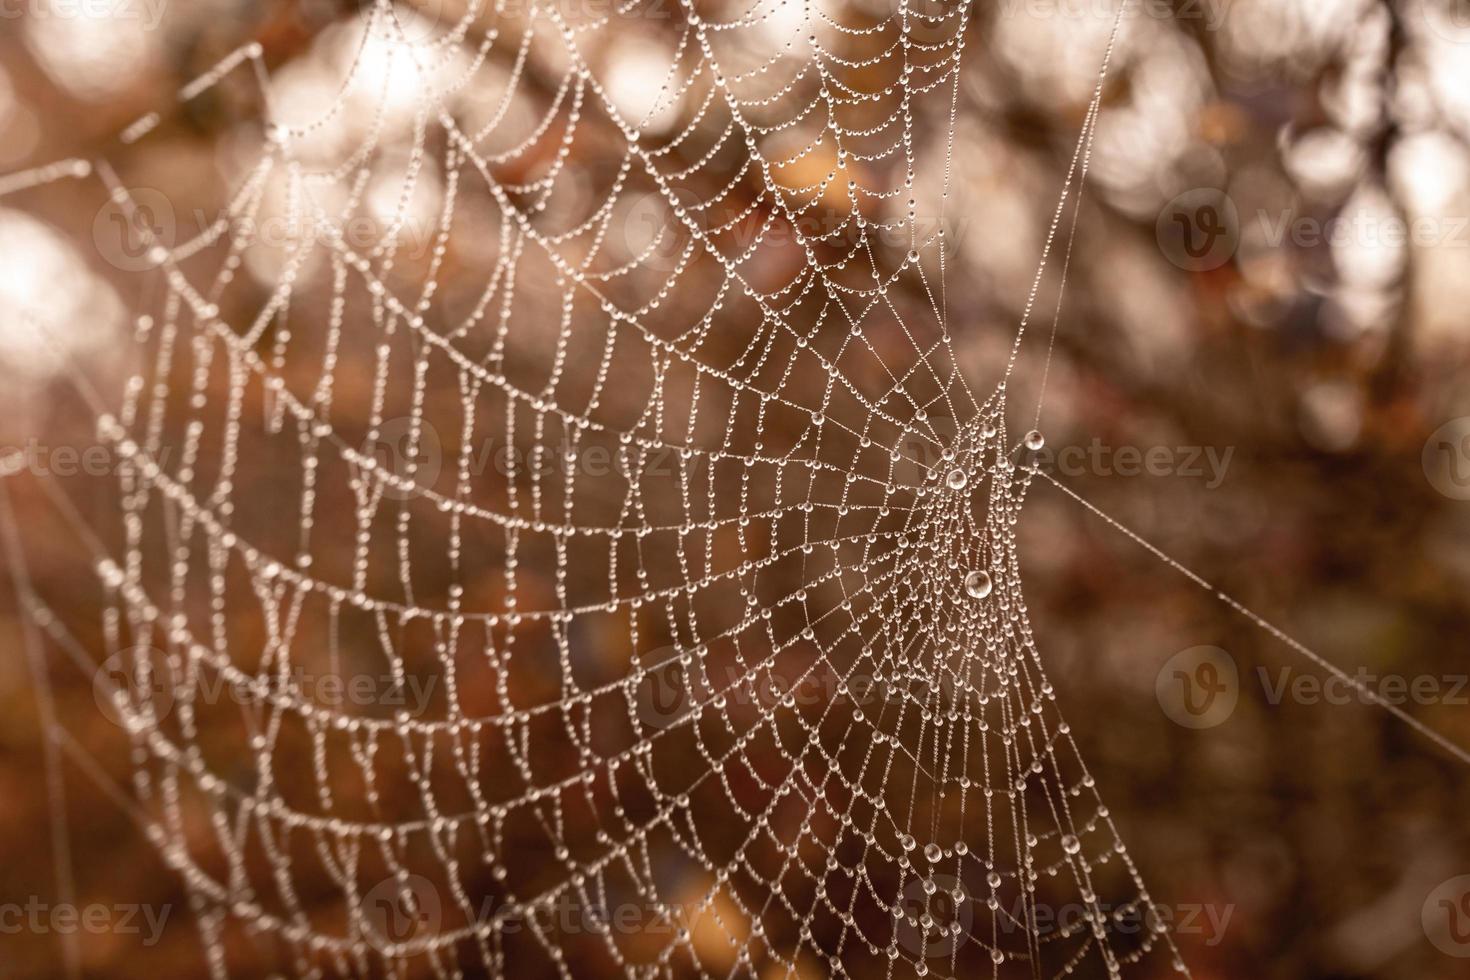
[[932, 853], [978, 584], [1071, 844], [957, 479], [1035, 440]]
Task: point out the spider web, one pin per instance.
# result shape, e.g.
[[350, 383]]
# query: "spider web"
[[641, 495]]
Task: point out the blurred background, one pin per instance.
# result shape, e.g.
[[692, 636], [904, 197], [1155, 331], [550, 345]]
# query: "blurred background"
[[1262, 366]]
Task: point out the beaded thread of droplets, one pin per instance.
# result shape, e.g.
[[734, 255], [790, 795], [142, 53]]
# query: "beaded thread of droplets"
[[892, 558]]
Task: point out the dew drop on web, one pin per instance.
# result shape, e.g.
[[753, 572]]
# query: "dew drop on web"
[[978, 584]]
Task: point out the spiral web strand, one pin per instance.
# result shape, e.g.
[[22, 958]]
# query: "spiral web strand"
[[690, 583]]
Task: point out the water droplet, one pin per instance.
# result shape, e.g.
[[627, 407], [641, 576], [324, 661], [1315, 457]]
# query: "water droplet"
[[993, 879], [996, 956], [1035, 440], [932, 853], [978, 584], [1071, 844], [957, 479], [111, 575]]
